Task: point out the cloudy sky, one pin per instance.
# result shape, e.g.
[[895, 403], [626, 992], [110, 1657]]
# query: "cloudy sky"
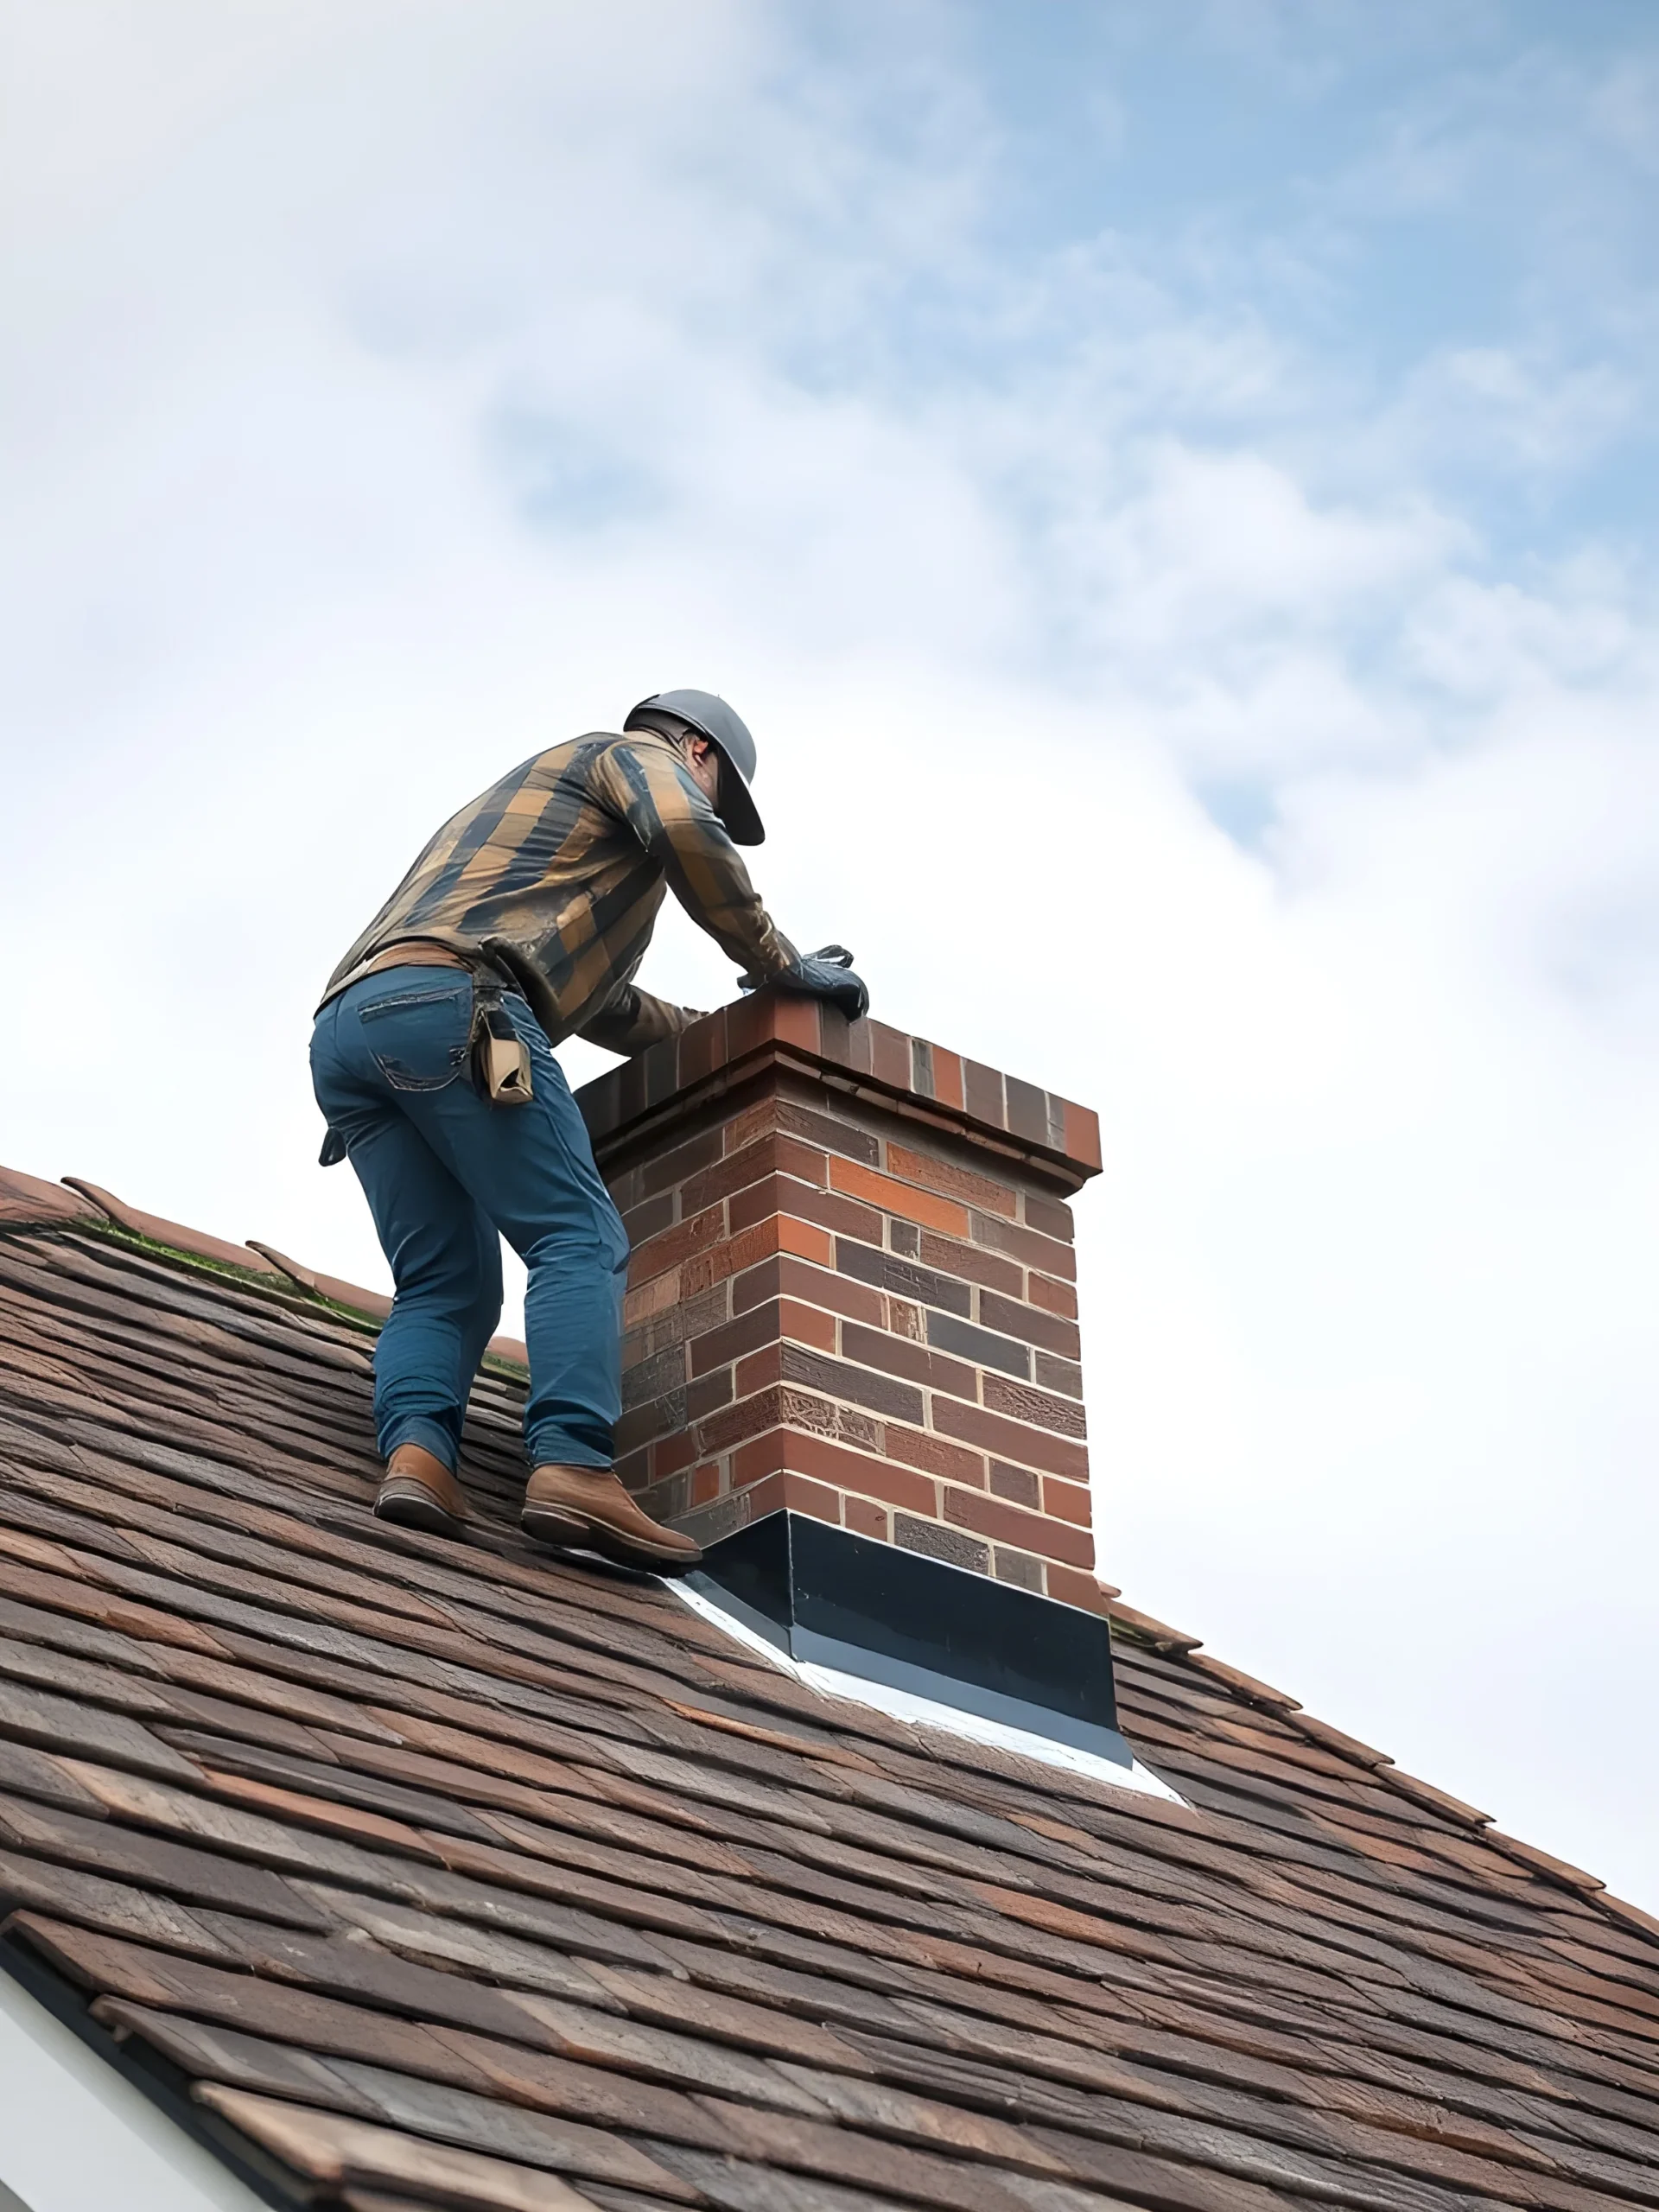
[[1172, 492]]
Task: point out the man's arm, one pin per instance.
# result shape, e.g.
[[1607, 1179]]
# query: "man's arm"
[[647, 784], [631, 1018]]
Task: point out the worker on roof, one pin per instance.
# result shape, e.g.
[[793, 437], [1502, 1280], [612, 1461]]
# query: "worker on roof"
[[521, 923]]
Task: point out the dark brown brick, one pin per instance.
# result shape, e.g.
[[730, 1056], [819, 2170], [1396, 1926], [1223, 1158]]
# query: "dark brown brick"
[[827, 1130], [1017, 1484], [1030, 1324], [1055, 1455], [984, 1087], [650, 1217], [1029, 1115], [1021, 1402], [938, 1541], [975, 1265], [653, 1378], [641, 1423], [858, 1385], [670, 1168], [1062, 1375], [919, 1447], [759, 1326], [925, 1285], [898, 1356], [1021, 1243], [773, 1154], [786, 1276], [1018, 1568], [1050, 1218], [950, 1333], [904, 1237], [707, 1393]]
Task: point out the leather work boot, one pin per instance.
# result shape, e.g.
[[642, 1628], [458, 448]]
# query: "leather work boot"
[[589, 1507], [418, 1491]]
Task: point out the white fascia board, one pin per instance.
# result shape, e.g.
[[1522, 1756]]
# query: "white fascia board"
[[76, 2136], [926, 1712]]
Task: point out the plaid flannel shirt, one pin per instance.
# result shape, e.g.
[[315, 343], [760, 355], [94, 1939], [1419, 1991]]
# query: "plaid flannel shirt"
[[555, 874]]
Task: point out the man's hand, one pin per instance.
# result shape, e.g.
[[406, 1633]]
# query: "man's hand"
[[828, 974]]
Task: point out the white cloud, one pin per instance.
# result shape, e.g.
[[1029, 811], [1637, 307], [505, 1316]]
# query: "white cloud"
[[391, 400]]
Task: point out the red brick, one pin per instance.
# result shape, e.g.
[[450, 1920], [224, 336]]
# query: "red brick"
[[779, 1194], [1074, 1589], [705, 1483], [947, 1077], [776, 1233], [854, 1473], [1058, 1297], [819, 1286], [948, 1177], [902, 1199], [669, 1453], [774, 1490], [1051, 1220], [677, 1244], [972, 1264], [1022, 1401], [655, 1297], [1030, 1324], [936, 1457], [864, 1519], [898, 1356], [762, 1368], [1067, 1501], [771, 1155], [702, 1047], [1029, 1532], [1081, 1134], [1036, 1447]]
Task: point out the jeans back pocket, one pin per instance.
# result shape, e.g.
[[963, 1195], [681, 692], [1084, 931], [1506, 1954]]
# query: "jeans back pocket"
[[417, 1037]]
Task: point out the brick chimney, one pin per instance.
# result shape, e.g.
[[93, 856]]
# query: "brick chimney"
[[852, 1290]]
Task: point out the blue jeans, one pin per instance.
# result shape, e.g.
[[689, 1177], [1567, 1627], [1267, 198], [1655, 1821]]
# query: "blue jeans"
[[443, 1172]]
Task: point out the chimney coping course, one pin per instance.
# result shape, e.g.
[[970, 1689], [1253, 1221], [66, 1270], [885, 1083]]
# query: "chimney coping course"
[[1053, 1136]]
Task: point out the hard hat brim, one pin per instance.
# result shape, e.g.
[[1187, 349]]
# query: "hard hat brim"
[[737, 808]]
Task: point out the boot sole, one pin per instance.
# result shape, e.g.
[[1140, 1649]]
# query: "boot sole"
[[569, 1530], [410, 1505]]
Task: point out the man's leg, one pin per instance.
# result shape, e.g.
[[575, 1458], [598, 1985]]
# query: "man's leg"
[[444, 1255], [530, 1168]]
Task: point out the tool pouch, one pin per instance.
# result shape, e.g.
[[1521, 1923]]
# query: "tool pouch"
[[501, 1059]]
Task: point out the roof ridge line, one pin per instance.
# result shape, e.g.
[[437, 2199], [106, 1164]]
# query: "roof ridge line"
[[29, 1201]]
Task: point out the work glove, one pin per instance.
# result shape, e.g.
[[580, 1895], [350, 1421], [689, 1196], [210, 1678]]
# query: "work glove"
[[828, 974]]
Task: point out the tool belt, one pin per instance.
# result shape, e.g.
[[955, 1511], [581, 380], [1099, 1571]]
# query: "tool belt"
[[497, 1056]]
